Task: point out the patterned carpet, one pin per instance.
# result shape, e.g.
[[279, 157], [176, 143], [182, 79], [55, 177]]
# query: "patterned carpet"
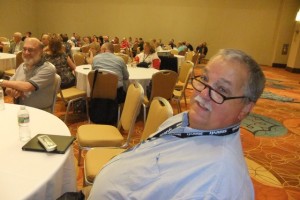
[[270, 136]]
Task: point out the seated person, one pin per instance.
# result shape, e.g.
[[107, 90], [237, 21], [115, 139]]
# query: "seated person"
[[63, 63], [182, 48], [93, 51], [196, 154], [17, 44], [32, 84], [148, 56], [109, 61], [45, 41]]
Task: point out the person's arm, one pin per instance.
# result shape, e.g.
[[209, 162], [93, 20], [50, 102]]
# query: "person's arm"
[[89, 58], [22, 86], [125, 71], [71, 63]]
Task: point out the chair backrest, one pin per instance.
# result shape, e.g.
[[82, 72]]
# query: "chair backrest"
[[19, 59], [131, 108], [85, 49], [106, 84], [5, 48], [163, 83], [174, 51], [189, 55], [78, 59], [160, 110], [4, 39], [195, 58], [56, 89], [117, 48], [182, 53], [125, 57], [184, 70]]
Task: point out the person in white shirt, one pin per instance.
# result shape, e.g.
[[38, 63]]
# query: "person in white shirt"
[[148, 56], [196, 154]]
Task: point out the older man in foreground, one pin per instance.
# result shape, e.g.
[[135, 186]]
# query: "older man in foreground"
[[195, 154], [32, 84]]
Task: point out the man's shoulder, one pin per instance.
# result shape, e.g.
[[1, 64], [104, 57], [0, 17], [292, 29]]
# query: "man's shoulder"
[[48, 66], [172, 120]]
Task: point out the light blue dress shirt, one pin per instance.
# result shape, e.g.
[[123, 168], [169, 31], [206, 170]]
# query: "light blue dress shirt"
[[111, 62], [201, 167]]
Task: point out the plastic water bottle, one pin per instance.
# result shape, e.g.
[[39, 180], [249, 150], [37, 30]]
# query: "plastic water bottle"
[[1, 99], [23, 120]]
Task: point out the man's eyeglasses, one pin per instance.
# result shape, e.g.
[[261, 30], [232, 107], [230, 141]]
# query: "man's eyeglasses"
[[30, 50], [213, 94]]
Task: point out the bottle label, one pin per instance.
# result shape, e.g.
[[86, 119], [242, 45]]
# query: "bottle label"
[[23, 120]]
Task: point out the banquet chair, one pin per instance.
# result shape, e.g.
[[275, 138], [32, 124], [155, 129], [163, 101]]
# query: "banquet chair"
[[106, 86], [182, 53], [71, 95], [160, 110], [183, 77], [163, 83], [19, 61], [56, 88], [5, 48], [178, 93], [4, 39], [117, 48], [189, 55], [196, 58], [125, 57], [79, 59], [97, 135], [174, 51]]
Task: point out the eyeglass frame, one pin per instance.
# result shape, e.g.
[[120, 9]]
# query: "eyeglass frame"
[[210, 88]]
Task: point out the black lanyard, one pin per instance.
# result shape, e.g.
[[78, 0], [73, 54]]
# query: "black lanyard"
[[218, 132]]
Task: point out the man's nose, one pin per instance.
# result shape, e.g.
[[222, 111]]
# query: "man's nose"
[[205, 93]]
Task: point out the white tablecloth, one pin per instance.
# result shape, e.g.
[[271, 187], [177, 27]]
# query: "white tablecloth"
[[7, 61], [33, 175], [142, 75], [180, 60]]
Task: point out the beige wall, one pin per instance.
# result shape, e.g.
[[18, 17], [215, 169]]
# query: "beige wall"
[[257, 27], [17, 15]]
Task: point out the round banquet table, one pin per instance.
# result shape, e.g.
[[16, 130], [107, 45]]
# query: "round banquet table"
[[7, 61], [33, 175], [141, 75]]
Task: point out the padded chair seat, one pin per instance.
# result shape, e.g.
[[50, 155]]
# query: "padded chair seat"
[[10, 72], [179, 85], [88, 135], [177, 93], [72, 93], [96, 158]]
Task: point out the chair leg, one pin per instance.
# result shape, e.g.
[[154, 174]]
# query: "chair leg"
[[145, 110], [178, 105], [184, 98], [67, 111], [79, 155]]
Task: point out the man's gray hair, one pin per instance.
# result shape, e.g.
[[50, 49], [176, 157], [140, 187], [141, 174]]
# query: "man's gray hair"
[[256, 79]]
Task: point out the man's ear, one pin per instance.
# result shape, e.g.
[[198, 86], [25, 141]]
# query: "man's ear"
[[246, 110]]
